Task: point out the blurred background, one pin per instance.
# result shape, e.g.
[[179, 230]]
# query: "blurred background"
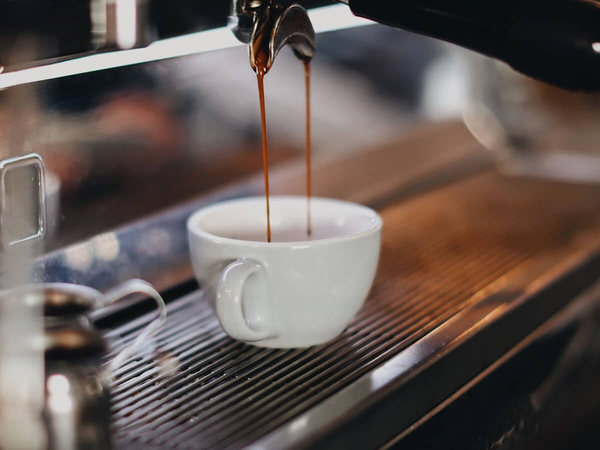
[[122, 143]]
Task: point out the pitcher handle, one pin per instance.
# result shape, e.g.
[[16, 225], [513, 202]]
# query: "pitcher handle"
[[122, 291]]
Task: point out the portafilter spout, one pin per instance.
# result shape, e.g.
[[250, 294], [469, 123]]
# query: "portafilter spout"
[[268, 27]]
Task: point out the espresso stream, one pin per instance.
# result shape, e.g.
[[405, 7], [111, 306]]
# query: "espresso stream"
[[308, 167], [260, 75], [261, 71]]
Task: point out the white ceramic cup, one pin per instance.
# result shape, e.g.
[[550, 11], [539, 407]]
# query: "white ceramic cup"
[[293, 291]]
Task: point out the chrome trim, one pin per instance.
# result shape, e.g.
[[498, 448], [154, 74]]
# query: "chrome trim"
[[30, 160], [275, 28]]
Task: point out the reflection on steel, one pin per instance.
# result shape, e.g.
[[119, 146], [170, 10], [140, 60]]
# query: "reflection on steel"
[[58, 394], [79, 257], [106, 247], [328, 18], [167, 363], [155, 242], [77, 412], [149, 249]]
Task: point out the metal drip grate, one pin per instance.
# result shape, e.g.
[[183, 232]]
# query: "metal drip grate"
[[439, 250]]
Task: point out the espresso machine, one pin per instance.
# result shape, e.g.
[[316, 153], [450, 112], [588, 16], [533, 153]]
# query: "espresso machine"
[[120, 118]]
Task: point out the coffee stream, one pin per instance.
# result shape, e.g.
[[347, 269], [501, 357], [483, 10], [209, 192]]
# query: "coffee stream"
[[261, 71], [260, 75], [308, 167]]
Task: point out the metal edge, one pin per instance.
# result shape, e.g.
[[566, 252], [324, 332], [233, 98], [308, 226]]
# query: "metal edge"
[[581, 306], [376, 408], [31, 159]]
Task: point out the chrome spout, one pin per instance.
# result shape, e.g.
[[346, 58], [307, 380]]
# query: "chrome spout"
[[273, 27]]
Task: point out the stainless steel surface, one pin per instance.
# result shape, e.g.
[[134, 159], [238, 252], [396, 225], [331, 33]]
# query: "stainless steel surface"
[[275, 27], [243, 16], [70, 410], [21, 375], [293, 28], [466, 270], [324, 19], [66, 304], [22, 200], [77, 405], [494, 413], [72, 28]]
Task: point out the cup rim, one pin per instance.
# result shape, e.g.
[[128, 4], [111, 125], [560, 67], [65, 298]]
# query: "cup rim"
[[197, 231]]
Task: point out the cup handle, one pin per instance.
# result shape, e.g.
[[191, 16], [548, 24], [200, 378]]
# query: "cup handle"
[[122, 291], [229, 302]]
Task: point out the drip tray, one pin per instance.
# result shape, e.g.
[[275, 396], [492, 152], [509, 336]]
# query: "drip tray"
[[443, 252]]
